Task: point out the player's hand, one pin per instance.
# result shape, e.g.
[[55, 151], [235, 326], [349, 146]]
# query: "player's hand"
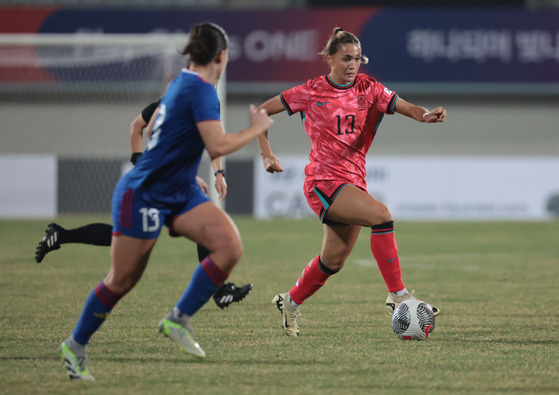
[[221, 186], [259, 118], [203, 186], [272, 164], [436, 115]]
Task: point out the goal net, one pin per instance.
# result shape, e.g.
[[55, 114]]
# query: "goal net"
[[87, 66], [99, 76]]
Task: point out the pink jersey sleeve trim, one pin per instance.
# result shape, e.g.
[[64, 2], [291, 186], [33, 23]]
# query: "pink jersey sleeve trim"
[[392, 104], [287, 108]]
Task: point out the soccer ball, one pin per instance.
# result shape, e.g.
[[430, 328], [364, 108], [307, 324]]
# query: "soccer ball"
[[413, 319]]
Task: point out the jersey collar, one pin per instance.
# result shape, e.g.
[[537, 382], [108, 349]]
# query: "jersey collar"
[[348, 86]]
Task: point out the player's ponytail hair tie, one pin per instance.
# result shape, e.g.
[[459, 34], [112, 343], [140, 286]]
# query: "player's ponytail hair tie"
[[206, 40], [339, 37]]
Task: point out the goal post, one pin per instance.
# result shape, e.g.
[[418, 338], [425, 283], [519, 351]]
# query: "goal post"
[[125, 70]]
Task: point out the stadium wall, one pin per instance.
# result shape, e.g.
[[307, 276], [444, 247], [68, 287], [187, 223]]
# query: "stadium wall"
[[414, 187]]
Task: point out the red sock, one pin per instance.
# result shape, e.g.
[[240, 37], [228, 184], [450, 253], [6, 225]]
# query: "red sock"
[[385, 251], [313, 277]]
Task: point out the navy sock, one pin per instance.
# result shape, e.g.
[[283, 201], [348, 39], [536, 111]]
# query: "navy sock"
[[204, 282], [97, 308]]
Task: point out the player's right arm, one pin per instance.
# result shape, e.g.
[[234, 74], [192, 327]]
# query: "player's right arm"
[[219, 143], [270, 161], [136, 133], [137, 130], [420, 114], [149, 127]]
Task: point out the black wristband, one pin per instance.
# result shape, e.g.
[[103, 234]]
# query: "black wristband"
[[221, 171], [135, 156]]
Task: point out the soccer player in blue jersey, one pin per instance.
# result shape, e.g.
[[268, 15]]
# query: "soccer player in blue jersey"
[[100, 234], [162, 190]]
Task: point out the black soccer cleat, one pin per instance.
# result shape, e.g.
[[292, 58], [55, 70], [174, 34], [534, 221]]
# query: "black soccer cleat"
[[229, 293], [49, 243]]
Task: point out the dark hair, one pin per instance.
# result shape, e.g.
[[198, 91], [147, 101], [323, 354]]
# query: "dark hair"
[[206, 40], [340, 36]]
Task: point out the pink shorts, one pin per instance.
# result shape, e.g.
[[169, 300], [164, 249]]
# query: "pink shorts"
[[320, 196]]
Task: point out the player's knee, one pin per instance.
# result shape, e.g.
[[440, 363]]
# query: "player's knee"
[[121, 285], [334, 262], [336, 265], [236, 251], [382, 215], [231, 247]]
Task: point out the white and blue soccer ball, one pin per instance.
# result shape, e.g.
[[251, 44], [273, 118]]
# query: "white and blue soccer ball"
[[413, 319]]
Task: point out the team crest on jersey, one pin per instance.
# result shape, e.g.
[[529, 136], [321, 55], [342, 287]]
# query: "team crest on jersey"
[[387, 91], [361, 103]]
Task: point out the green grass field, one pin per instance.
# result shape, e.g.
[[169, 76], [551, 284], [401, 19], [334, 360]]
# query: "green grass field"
[[494, 282]]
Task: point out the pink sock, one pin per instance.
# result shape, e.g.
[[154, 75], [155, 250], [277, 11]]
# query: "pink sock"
[[313, 277], [385, 251]]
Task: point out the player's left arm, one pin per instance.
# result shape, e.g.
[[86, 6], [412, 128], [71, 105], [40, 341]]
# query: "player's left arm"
[[420, 114]]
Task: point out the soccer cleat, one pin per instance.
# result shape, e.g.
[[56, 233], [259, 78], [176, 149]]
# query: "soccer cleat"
[[49, 243], [288, 313], [182, 335], [229, 293], [393, 301], [75, 363]]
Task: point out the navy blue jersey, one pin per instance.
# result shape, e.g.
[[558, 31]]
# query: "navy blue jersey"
[[170, 163]]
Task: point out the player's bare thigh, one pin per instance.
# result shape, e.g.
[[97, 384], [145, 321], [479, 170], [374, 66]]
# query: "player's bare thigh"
[[355, 206], [129, 258], [210, 226], [337, 244]]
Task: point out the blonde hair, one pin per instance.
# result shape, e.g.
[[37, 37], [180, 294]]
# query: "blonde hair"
[[340, 36]]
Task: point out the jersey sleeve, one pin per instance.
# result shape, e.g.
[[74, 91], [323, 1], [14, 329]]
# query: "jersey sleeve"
[[205, 107], [383, 98], [148, 111], [295, 99]]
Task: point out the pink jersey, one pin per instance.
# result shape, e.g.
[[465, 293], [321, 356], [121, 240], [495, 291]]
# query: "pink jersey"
[[341, 122]]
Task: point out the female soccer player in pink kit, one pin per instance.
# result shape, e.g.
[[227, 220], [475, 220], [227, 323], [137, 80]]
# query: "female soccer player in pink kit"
[[341, 114]]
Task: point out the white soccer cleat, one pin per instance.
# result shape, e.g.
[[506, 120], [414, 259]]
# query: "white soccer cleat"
[[182, 335], [75, 363], [289, 315], [393, 301]]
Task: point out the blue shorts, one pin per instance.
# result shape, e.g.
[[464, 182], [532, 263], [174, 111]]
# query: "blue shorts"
[[135, 217]]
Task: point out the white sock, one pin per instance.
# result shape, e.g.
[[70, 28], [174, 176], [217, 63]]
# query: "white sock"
[[293, 304], [179, 315], [402, 292], [74, 345]]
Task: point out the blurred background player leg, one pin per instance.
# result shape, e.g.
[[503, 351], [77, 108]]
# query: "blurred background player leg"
[[95, 234], [100, 234]]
